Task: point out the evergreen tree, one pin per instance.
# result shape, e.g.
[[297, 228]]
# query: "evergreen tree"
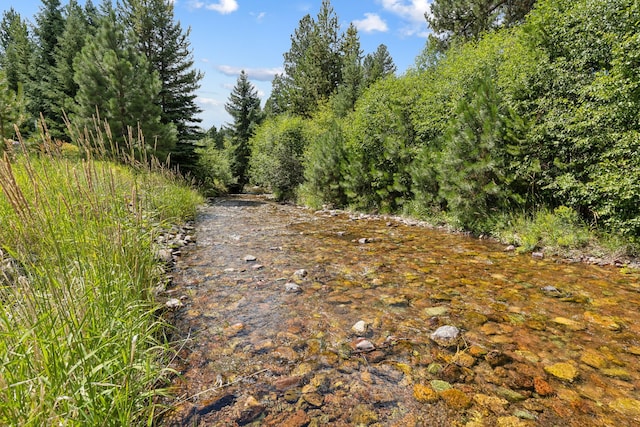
[[378, 65], [11, 110], [115, 81], [352, 73], [313, 65], [468, 19], [40, 87], [244, 108], [167, 49], [16, 49], [63, 87]]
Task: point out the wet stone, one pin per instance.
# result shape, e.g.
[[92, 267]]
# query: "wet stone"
[[424, 393], [436, 311], [455, 399], [439, 385], [510, 395], [360, 327], [563, 371], [570, 324], [446, 336], [313, 399], [292, 395], [250, 258], [292, 288]]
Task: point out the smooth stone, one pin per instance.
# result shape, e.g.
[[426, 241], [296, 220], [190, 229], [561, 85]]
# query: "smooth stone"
[[604, 321], [292, 287], [313, 399], [525, 415], [494, 403], [436, 311], [510, 395], [173, 303], [360, 327], [439, 385], [446, 336], [569, 323], [618, 373], [250, 258], [301, 273], [593, 358], [564, 371], [363, 415], [365, 345]]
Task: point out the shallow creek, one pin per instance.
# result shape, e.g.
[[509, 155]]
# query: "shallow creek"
[[541, 342]]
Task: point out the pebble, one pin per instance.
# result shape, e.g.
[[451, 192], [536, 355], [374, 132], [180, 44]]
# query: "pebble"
[[564, 371], [446, 336], [365, 345], [360, 327], [301, 273], [292, 287], [173, 303], [250, 258]]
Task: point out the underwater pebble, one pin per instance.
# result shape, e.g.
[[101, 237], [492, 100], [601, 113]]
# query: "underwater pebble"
[[446, 336], [360, 327], [292, 287]]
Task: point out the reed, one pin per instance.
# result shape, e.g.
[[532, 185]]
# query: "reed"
[[80, 341]]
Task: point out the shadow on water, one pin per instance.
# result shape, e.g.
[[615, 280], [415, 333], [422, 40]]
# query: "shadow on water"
[[295, 318]]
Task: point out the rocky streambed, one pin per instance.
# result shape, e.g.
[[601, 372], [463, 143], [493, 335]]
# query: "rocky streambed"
[[287, 317]]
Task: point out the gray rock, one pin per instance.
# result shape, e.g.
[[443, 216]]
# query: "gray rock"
[[360, 328], [446, 336], [365, 345], [250, 258], [300, 273], [292, 287]]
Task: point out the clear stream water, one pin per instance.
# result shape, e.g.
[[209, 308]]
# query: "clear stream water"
[[542, 342]]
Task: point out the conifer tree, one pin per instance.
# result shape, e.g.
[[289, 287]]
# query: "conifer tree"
[[378, 65], [244, 108], [115, 81], [40, 87], [16, 49], [167, 49], [12, 110], [352, 73]]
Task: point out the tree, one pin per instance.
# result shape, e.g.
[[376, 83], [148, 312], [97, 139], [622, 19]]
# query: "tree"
[[11, 110], [378, 65], [16, 49], [244, 108], [468, 19], [167, 49], [63, 87], [313, 64], [115, 81], [40, 87], [352, 74]]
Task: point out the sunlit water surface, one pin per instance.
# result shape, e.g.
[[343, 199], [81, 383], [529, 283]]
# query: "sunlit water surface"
[[542, 342]]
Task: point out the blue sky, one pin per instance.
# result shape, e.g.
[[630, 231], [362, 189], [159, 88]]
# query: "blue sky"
[[232, 35]]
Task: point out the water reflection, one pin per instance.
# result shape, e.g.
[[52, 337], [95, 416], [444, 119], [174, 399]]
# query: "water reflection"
[[541, 342]]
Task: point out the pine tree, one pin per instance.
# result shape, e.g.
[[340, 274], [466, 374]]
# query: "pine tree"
[[244, 108], [468, 19], [63, 87], [313, 65], [352, 73], [11, 110], [378, 65], [40, 87], [167, 49], [115, 81], [16, 49]]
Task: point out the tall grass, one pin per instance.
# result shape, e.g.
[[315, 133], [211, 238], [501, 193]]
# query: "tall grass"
[[80, 343]]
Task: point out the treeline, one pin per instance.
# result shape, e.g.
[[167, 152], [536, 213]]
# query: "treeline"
[[536, 112], [129, 66]]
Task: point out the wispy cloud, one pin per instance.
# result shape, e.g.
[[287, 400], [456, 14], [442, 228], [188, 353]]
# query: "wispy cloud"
[[221, 6], [259, 16], [260, 74], [371, 23], [412, 12], [211, 102]]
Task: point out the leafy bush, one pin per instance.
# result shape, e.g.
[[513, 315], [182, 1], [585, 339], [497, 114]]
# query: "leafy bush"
[[214, 167], [277, 156]]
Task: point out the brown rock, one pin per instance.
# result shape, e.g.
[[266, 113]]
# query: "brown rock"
[[497, 358], [542, 387], [455, 399], [297, 419], [424, 393], [286, 383]]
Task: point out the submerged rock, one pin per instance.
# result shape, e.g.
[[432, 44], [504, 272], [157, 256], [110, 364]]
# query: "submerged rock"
[[564, 371], [292, 288], [360, 327], [446, 336]]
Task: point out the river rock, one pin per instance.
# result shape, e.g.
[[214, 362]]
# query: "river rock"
[[301, 273], [439, 385], [173, 304], [250, 258], [569, 323], [564, 371], [446, 336], [436, 311], [365, 345], [292, 288], [626, 406], [455, 399], [360, 327], [424, 394], [250, 411]]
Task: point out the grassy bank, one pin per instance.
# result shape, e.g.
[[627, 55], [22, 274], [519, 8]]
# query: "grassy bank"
[[79, 341]]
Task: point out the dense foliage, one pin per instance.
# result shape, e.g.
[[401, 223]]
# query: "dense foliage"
[[532, 113]]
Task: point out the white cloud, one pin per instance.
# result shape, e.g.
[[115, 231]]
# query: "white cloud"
[[221, 6], [212, 102], [260, 74], [371, 23], [412, 10], [259, 16]]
